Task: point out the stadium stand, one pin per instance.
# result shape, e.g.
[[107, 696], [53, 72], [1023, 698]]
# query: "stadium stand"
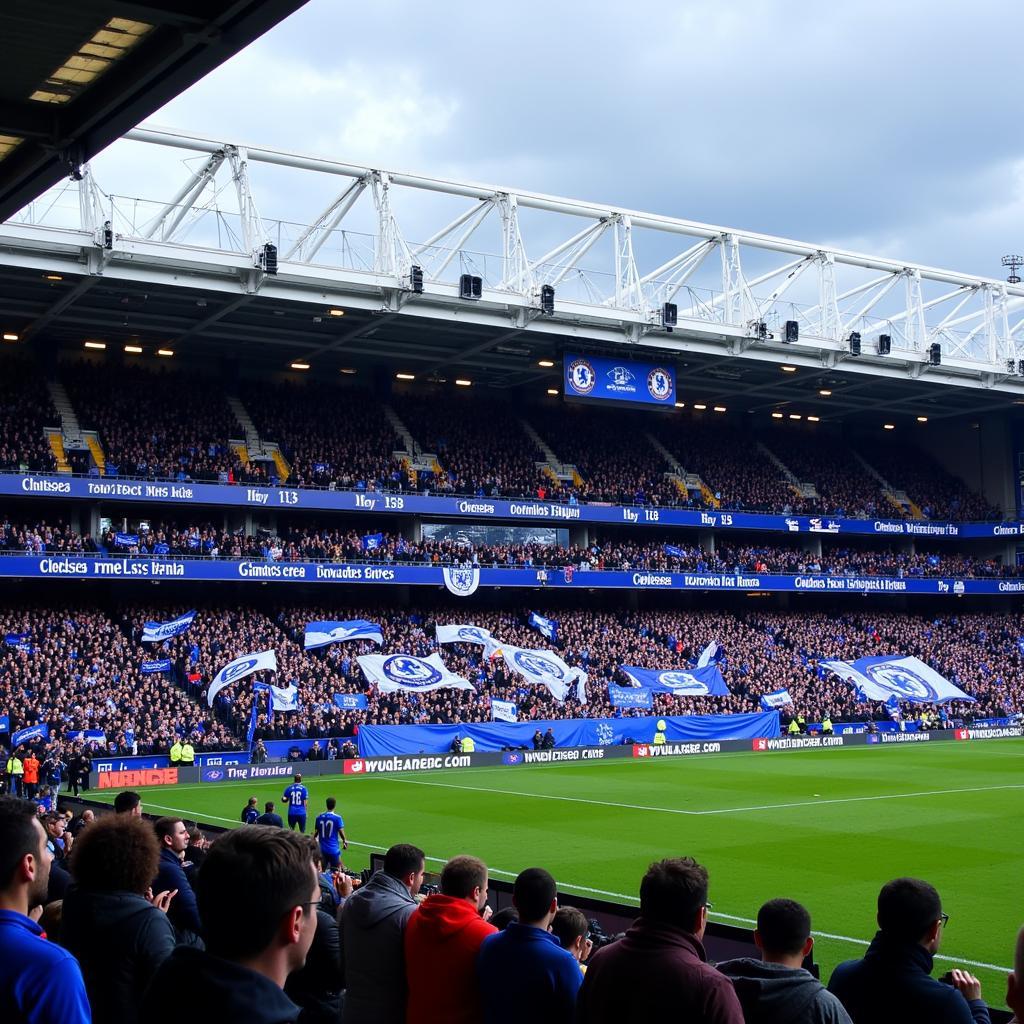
[[25, 412]]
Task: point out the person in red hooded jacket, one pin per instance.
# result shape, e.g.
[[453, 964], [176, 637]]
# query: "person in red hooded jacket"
[[442, 939]]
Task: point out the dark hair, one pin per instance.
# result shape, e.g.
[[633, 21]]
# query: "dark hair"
[[461, 875], [784, 926], [275, 866], [403, 859], [268, 807], [252, 800], [126, 801], [331, 803], [164, 827], [907, 908], [118, 853], [569, 925], [18, 835], [501, 919], [298, 777], [673, 891], [532, 893]]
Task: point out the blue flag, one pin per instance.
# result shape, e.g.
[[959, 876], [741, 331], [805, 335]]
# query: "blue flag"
[[350, 701], [711, 655], [155, 632], [775, 700], [322, 633], [254, 714], [33, 732], [548, 628], [5, 723], [160, 665], [373, 541], [630, 696], [673, 552], [126, 540], [697, 682]]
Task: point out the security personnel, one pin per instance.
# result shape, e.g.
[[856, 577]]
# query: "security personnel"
[[15, 774], [188, 754], [468, 746], [826, 725], [659, 733], [794, 728], [802, 723], [176, 753]]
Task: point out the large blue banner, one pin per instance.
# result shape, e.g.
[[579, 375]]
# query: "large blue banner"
[[82, 566], [382, 740], [30, 734], [595, 379], [630, 696], [238, 496], [696, 682]]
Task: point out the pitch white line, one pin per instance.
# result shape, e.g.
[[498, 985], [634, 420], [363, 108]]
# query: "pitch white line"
[[625, 897]]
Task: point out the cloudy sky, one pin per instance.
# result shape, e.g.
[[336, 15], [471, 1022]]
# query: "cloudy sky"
[[891, 128]]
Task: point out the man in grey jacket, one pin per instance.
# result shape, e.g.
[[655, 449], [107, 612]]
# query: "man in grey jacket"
[[777, 990], [373, 924]]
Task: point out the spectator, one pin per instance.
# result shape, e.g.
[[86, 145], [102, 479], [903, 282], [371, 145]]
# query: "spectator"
[[317, 986], [86, 818], [257, 932], [128, 802], [777, 989], [442, 940], [119, 935], [662, 956], [40, 983], [547, 977], [269, 817], [572, 929], [373, 924], [250, 813], [893, 981], [172, 836], [1015, 981], [501, 919]]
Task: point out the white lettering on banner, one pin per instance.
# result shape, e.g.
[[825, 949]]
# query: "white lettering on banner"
[[675, 749], [374, 765], [257, 771], [362, 501], [706, 519], [641, 579], [630, 515], [1005, 732], [1005, 531], [169, 491], [477, 508], [46, 486], [256, 497], [799, 742], [1010, 588], [338, 572], [529, 510], [888, 527], [111, 490], [62, 567], [259, 570], [904, 737]]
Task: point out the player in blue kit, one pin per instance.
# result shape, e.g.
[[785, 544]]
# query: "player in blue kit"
[[330, 830], [295, 798]]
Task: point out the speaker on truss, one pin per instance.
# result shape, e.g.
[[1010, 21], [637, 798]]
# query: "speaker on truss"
[[854, 343], [470, 287], [416, 279], [268, 258], [669, 315], [791, 332], [935, 354], [884, 344], [547, 300]]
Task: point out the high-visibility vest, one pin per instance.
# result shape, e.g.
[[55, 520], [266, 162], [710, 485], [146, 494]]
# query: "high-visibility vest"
[[176, 753], [188, 754]]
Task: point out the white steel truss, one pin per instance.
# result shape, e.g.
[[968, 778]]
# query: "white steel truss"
[[612, 275]]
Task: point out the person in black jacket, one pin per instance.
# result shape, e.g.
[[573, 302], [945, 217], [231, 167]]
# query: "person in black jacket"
[[119, 935], [893, 983], [252, 944], [317, 986], [172, 836], [268, 817]]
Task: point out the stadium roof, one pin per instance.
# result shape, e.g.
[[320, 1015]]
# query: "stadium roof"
[[187, 274], [77, 74]]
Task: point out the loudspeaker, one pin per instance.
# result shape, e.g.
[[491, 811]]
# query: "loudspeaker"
[[792, 332], [935, 354], [884, 344], [855, 343], [470, 287]]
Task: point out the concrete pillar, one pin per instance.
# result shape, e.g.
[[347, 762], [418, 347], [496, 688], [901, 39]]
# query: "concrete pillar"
[[706, 539]]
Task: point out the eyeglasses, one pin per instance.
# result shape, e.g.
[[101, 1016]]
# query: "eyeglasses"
[[944, 918], [312, 903]]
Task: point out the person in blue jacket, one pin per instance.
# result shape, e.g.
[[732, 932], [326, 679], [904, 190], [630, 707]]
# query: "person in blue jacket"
[[892, 984], [183, 911], [546, 978]]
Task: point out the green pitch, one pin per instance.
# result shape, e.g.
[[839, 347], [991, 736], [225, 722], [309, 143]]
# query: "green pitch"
[[824, 827]]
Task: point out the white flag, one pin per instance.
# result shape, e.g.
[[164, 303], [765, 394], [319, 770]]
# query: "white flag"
[[503, 711], [284, 698], [390, 672], [265, 661], [904, 678], [545, 668], [468, 634]]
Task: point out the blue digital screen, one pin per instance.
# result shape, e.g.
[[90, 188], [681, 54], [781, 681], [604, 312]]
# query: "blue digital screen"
[[598, 379]]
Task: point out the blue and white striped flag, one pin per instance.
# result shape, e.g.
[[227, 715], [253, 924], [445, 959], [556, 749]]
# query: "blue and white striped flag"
[[548, 628], [155, 632], [322, 633]]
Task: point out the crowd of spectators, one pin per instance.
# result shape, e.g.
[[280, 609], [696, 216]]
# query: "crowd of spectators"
[[25, 412], [308, 543], [276, 935], [174, 425], [73, 669], [168, 425]]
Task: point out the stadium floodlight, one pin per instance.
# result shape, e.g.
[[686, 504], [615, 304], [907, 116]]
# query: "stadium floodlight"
[[934, 354], [884, 344], [547, 300], [470, 287], [416, 279], [267, 258], [854, 342], [669, 315], [791, 332], [1013, 264]]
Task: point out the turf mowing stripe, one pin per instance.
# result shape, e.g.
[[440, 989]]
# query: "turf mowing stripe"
[[717, 810], [616, 895]]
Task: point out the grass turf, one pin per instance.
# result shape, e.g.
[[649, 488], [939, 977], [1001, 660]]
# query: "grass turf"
[[825, 827]]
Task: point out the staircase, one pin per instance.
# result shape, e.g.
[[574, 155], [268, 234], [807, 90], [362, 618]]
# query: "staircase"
[[280, 462], [253, 444], [802, 488], [92, 442], [56, 442], [560, 472], [412, 458], [241, 451], [900, 500], [677, 476]]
